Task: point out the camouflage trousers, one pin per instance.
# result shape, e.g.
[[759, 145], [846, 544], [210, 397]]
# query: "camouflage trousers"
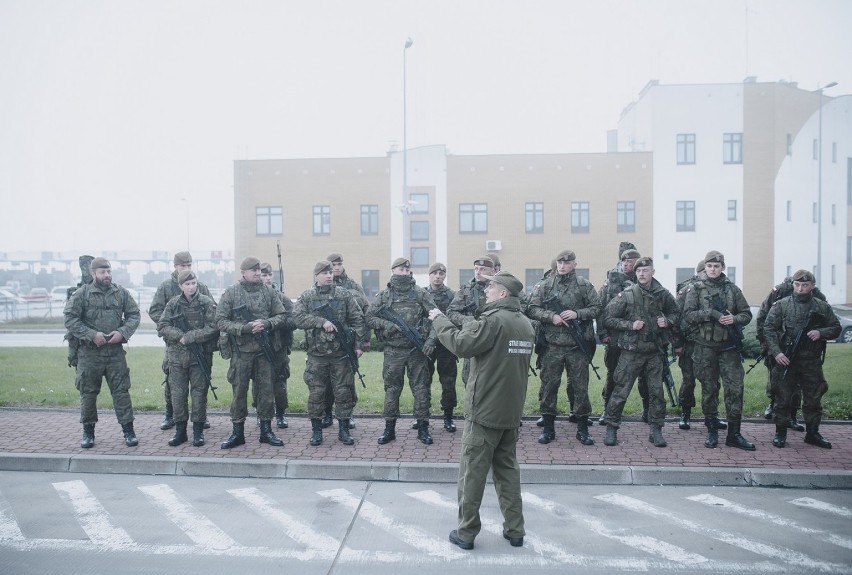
[[397, 361], [632, 364], [93, 366], [448, 370], [251, 366], [484, 449], [773, 382], [167, 391], [711, 366], [186, 379], [279, 385], [322, 373], [804, 377], [611, 355], [556, 359], [687, 382]]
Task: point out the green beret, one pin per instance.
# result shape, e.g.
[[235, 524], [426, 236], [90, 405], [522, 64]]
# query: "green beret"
[[644, 263], [185, 276], [714, 257], [803, 276], [322, 266], [400, 262], [335, 257], [508, 281], [566, 256], [699, 267], [484, 261], [494, 258], [630, 254], [250, 263], [99, 263], [437, 266], [265, 268], [183, 258]]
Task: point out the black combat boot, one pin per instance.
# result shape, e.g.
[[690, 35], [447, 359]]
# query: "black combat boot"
[[280, 420], [583, 431], [572, 417], [448, 420], [343, 432], [685, 417], [712, 440], [129, 435], [180, 434], [316, 429], [197, 433], [327, 418], [794, 423], [780, 439], [423, 432], [237, 437], [206, 424], [267, 435], [813, 437], [88, 436], [769, 412], [735, 438], [540, 421], [611, 435], [548, 433], [721, 424], [656, 436], [389, 434], [169, 419], [351, 422]]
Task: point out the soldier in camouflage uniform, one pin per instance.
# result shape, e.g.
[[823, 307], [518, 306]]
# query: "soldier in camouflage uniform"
[[185, 374], [446, 362], [813, 321], [247, 313], [409, 305], [328, 365], [640, 315], [686, 334], [282, 344], [717, 352], [562, 298], [85, 278], [102, 316], [470, 298], [166, 291]]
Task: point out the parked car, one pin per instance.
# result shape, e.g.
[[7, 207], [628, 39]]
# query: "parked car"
[[59, 293], [37, 295], [845, 328], [9, 298]]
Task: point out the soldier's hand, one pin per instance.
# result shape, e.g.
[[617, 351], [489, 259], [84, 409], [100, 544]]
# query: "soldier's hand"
[[428, 349], [557, 319], [328, 327], [727, 319], [114, 337], [257, 326], [637, 325], [435, 312], [814, 335], [358, 353], [99, 339], [782, 359], [662, 322], [569, 315]]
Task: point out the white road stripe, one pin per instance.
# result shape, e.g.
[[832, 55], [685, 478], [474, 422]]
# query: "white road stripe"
[[761, 515], [786, 555], [92, 516], [9, 529], [197, 527], [822, 506]]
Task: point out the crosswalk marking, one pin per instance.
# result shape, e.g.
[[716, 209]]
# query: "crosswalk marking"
[[93, 518], [785, 555], [9, 529], [770, 517], [197, 527], [822, 506]]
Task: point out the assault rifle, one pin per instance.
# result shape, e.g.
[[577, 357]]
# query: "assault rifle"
[[735, 332], [196, 351], [388, 314], [576, 332], [280, 267], [345, 338], [667, 375], [262, 337], [794, 345], [760, 359]]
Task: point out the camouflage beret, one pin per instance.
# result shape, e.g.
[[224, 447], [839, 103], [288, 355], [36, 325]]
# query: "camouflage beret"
[[644, 263], [335, 257], [508, 281], [484, 261], [99, 263], [699, 267], [400, 262], [630, 254], [494, 258], [714, 257], [566, 256], [803, 276], [322, 266], [437, 266], [622, 246], [185, 276], [182, 258], [265, 268], [250, 263]]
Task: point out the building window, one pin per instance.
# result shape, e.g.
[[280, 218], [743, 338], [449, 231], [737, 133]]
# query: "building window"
[[465, 275], [369, 220], [816, 149], [532, 277], [418, 203], [473, 218], [322, 220], [534, 217], [419, 257], [625, 217], [269, 221], [685, 216], [732, 148], [789, 144], [731, 272], [370, 282], [580, 217], [732, 210], [685, 149], [683, 274], [582, 272], [420, 231], [789, 210]]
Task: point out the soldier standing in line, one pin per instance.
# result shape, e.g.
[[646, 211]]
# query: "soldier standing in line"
[[282, 344], [103, 316], [195, 313], [558, 301], [248, 312], [443, 359], [640, 315], [687, 335], [166, 291], [798, 368], [470, 298], [718, 311], [332, 320], [399, 315]]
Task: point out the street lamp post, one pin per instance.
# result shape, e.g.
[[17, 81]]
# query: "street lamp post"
[[404, 204], [819, 186]]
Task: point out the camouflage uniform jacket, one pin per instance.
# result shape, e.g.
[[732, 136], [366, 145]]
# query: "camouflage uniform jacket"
[[408, 301], [562, 292], [467, 300], [262, 302], [200, 313], [699, 312], [683, 331], [166, 291], [95, 309], [616, 281], [320, 303], [354, 288], [638, 303], [779, 292], [792, 313], [282, 338], [443, 296]]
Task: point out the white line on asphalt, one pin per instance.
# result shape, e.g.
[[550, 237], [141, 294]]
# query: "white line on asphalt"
[[786, 555], [197, 527], [92, 516], [822, 506], [761, 515], [9, 529]]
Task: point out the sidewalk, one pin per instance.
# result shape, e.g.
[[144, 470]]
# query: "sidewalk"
[[49, 440]]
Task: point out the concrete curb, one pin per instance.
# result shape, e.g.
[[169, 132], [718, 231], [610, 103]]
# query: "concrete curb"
[[423, 472]]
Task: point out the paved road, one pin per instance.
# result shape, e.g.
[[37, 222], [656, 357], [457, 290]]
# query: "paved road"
[[94, 523]]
